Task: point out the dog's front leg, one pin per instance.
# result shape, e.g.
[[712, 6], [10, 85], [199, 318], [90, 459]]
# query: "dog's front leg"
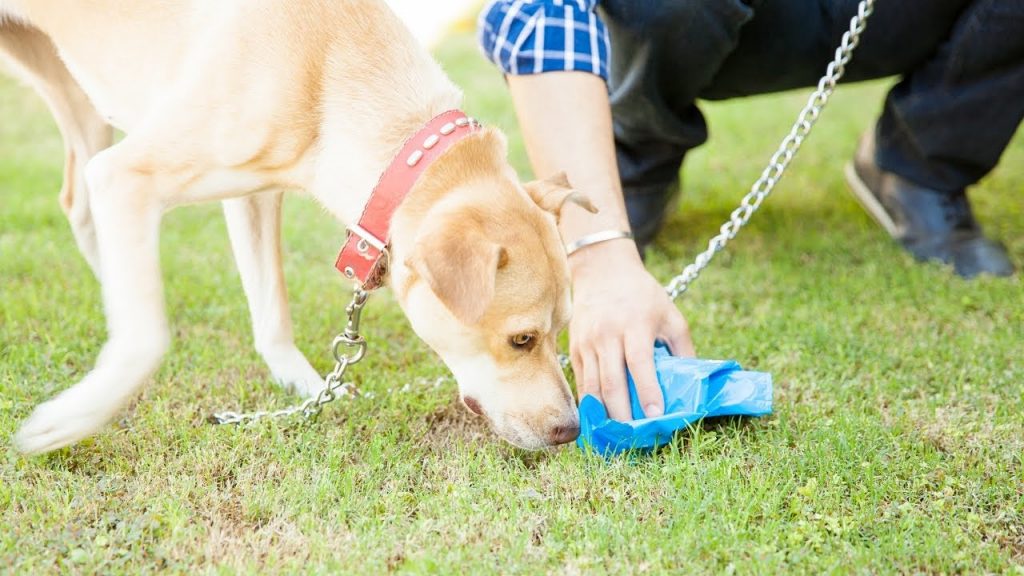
[[126, 206], [254, 224]]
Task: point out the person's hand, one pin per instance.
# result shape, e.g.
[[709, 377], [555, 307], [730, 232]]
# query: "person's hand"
[[619, 311]]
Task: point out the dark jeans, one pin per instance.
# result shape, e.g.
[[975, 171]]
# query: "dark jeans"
[[943, 126]]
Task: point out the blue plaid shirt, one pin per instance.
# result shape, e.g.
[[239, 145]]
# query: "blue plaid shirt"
[[533, 36]]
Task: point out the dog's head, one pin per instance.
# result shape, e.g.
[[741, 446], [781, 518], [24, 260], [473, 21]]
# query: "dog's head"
[[480, 270]]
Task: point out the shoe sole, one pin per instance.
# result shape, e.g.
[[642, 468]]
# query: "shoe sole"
[[868, 200]]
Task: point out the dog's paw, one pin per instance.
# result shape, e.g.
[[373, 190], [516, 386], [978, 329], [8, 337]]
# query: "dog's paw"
[[306, 386], [292, 371], [60, 422]]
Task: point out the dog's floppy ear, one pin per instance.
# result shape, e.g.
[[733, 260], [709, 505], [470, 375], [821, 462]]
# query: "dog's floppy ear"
[[552, 193], [460, 265]]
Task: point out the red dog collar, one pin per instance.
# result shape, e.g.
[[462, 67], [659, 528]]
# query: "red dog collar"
[[364, 256]]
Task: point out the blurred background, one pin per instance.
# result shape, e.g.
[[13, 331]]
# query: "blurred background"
[[431, 20]]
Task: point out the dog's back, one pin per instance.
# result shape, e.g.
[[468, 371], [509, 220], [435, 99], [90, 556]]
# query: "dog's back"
[[130, 55]]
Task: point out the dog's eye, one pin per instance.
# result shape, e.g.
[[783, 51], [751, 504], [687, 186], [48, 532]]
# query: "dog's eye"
[[521, 341]]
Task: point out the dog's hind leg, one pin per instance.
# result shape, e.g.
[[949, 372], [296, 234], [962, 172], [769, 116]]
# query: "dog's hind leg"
[[34, 58], [223, 126], [254, 224], [169, 162]]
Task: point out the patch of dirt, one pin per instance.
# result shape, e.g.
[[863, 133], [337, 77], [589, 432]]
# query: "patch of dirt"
[[229, 543], [451, 424]]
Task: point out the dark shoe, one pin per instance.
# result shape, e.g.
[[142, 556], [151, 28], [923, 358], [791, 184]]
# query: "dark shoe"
[[931, 225]]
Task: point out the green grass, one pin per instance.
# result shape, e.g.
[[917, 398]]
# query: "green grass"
[[896, 444]]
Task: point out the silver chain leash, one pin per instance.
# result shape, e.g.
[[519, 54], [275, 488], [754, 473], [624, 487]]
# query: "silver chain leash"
[[349, 348], [783, 156]]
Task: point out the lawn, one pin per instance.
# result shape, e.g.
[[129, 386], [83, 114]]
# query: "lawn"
[[896, 445]]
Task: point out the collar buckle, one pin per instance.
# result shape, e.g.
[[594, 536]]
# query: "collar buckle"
[[366, 240]]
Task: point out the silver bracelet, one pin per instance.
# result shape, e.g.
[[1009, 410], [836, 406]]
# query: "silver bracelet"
[[596, 238]]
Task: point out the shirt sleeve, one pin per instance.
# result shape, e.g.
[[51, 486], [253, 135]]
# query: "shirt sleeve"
[[534, 36]]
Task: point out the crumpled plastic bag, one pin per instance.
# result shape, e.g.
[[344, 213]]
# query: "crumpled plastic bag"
[[692, 389]]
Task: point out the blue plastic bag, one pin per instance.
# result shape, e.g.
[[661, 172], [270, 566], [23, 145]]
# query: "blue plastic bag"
[[692, 389]]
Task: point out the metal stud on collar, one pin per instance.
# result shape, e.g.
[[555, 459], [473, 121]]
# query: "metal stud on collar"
[[432, 140]]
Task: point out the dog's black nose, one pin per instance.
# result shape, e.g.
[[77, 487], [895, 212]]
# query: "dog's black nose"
[[564, 433]]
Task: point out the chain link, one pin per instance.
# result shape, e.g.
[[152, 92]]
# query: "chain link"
[[349, 348], [783, 156]]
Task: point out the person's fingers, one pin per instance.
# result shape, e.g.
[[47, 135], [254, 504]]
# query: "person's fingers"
[[640, 361], [614, 393], [576, 363], [587, 375], [677, 336]]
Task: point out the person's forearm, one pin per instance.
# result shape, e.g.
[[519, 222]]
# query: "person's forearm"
[[566, 123]]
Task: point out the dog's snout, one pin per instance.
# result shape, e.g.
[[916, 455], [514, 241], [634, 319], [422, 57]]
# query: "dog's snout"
[[564, 433]]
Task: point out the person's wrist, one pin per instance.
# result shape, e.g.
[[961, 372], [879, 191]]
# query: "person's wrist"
[[603, 259], [595, 238]]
